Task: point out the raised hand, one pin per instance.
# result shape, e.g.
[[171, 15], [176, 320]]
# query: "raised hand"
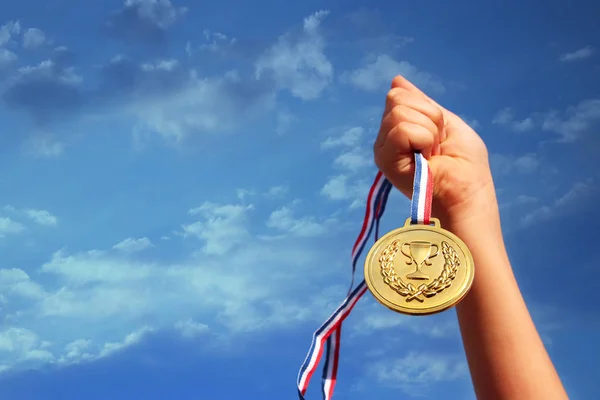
[[457, 156]]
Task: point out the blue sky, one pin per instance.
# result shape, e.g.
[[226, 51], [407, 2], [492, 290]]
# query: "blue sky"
[[181, 185]]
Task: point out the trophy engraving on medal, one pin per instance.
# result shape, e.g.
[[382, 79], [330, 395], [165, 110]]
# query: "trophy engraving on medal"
[[419, 252]]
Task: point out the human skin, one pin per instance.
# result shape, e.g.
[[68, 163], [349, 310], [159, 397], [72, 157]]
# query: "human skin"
[[506, 356]]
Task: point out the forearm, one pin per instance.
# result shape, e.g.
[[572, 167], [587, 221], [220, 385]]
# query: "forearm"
[[506, 356]]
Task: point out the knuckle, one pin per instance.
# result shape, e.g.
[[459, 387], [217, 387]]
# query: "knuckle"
[[438, 115], [400, 113], [390, 98], [376, 147], [405, 128], [378, 157], [394, 96], [377, 160]]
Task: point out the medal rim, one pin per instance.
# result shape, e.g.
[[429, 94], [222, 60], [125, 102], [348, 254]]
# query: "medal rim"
[[453, 301]]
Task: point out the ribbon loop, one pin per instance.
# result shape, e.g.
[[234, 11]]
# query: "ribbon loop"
[[328, 336]]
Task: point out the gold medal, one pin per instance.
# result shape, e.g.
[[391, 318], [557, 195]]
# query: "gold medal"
[[419, 269]]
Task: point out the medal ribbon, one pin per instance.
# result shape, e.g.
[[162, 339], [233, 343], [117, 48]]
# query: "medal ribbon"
[[420, 204], [328, 336]]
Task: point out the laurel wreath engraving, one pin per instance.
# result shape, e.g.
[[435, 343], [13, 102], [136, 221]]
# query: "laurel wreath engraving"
[[386, 262]]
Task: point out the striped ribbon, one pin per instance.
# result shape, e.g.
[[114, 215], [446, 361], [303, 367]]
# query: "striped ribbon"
[[420, 206], [327, 337]]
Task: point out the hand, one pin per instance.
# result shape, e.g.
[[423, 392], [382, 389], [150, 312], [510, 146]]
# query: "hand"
[[458, 158]]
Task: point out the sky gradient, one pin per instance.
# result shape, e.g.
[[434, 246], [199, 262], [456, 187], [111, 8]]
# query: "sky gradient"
[[181, 185]]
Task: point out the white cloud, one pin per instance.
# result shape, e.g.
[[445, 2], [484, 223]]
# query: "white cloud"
[[242, 194], [161, 13], [300, 65], [190, 328], [16, 282], [131, 245], [14, 339], [103, 300], [579, 192], [278, 191], [506, 116], [523, 125], [39, 217], [378, 73], [33, 38], [162, 97], [473, 123], [274, 192], [82, 350], [416, 372], [44, 146], [8, 30], [42, 217], [199, 105], [526, 199], [39, 355], [354, 160], [527, 163], [520, 200], [578, 55], [350, 137], [374, 319], [130, 340], [21, 345], [505, 165], [252, 287], [571, 124], [285, 119], [216, 41], [94, 266], [575, 122], [221, 226], [284, 220], [162, 65], [240, 286], [48, 69], [8, 226], [7, 57], [77, 351], [343, 187]]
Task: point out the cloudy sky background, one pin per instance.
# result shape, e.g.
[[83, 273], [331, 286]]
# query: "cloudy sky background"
[[181, 185]]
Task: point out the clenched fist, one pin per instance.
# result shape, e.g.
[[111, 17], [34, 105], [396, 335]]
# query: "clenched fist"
[[457, 156]]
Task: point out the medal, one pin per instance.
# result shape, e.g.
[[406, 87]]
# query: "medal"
[[419, 269]]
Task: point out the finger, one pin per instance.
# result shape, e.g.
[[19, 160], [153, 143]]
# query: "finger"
[[406, 138], [402, 113], [400, 96], [401, 82]]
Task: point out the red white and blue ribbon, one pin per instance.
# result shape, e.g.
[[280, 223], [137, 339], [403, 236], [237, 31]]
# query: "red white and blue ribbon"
[[420, 206], [328, 336], [332, 358]]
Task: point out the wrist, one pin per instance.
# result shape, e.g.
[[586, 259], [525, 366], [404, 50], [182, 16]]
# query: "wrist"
[[481, 206], [476, 221]]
